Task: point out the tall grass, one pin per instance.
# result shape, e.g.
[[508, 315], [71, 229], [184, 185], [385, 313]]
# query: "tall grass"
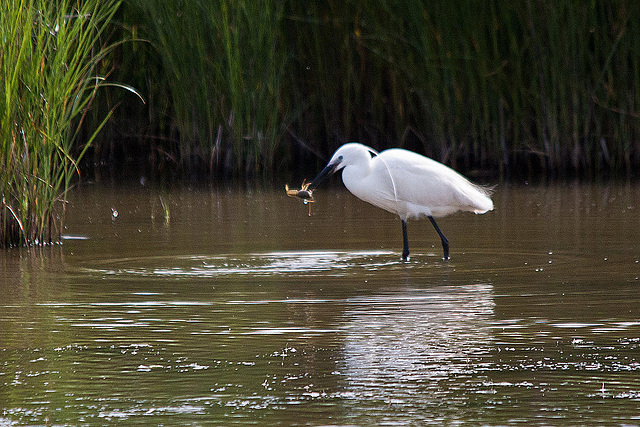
[[49, 52], [537, 85], [533, 86], [222, 64]]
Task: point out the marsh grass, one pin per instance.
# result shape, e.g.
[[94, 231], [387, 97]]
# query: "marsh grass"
[[222, 65], [251, 88], [48, 57], [539, 87]]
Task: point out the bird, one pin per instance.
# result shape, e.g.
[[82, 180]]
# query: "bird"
[[407, 184]]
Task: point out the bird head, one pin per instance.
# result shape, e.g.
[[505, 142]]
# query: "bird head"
[[348, 154]]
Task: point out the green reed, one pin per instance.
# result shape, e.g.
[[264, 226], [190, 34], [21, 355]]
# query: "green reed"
[[222, 66], [258, 86], [48, 57], [535, 85]]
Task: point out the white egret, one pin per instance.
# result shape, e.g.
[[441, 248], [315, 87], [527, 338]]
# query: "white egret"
[[407, 184]]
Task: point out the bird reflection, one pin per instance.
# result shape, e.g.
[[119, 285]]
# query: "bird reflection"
[[419, 346]]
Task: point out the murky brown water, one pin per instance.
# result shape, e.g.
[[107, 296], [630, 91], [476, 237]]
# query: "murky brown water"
[[242, 309]]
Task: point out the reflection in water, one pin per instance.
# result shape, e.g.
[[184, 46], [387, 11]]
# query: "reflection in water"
[[407, 352], [243, 309]]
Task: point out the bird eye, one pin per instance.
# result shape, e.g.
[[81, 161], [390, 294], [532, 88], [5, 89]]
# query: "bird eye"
[[340, 158]]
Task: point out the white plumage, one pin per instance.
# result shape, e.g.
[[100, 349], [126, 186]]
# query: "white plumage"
[[406, 184]]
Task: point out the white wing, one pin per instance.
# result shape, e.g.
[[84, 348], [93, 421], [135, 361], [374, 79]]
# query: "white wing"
[[412, 185]]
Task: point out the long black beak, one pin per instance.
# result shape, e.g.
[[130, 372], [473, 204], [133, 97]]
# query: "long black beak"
[[328, 170]]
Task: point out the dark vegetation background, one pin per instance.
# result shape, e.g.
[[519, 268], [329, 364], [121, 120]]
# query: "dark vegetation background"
[[254, 88], [264, 91]]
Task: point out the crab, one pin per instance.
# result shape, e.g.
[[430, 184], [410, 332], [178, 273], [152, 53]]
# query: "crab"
[[303, 193]]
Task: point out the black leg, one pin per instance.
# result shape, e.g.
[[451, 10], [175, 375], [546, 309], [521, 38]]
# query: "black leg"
[[445, 242], [405, 241]]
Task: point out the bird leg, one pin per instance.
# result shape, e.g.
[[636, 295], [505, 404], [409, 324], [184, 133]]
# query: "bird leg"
[[445, 242], [405, 241]]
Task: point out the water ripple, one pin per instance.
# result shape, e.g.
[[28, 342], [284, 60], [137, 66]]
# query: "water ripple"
[[256, 264], [326, 264]]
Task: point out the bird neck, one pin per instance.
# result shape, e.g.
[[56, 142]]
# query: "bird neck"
[[354, 176]]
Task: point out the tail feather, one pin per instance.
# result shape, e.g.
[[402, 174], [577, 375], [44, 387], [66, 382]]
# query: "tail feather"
[[482, 198]]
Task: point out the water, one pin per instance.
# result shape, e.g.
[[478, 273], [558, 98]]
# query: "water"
[[240, 308]]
